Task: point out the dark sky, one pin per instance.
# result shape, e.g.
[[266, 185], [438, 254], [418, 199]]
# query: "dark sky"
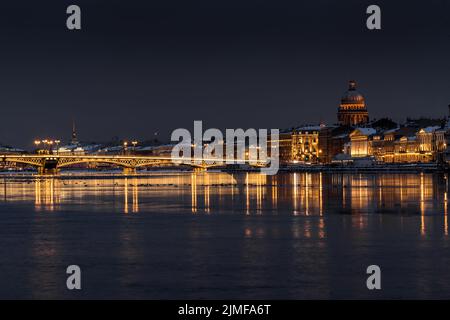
[[141, 66]]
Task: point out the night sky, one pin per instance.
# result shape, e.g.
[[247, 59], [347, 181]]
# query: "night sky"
[[137, 67]]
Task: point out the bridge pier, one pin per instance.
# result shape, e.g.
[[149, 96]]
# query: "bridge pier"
[[47, 171], [129, 171]]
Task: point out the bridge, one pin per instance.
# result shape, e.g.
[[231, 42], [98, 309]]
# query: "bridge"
[[52, 163]]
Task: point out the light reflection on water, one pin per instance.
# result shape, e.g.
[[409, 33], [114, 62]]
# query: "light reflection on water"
[[250, 193], [297, 193], [197, 235], [301, 194]]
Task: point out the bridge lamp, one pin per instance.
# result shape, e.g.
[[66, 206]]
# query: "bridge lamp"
[[125, 147], [134, 143], [37, 143], [57, 145], [50, 143]]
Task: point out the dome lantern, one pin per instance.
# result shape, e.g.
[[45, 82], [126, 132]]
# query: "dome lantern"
[[352, 110]]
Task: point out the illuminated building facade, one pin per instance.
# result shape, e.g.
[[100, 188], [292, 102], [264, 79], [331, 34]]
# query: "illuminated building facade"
[[400, 145], [360, 140], [305, 144], [352, 110], [299, 145]]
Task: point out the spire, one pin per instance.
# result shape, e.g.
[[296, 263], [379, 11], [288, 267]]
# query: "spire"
[[352, 85], [74, 133]]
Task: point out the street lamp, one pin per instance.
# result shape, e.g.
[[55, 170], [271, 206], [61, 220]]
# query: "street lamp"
[[57, 145], [37, 143], [125, 147], [50, 145], [134, 143], [47, 145]]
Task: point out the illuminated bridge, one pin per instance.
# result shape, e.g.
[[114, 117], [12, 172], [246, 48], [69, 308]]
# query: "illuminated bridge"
[[50, 164]]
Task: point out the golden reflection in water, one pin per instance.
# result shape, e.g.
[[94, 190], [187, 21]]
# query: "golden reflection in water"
[[313, 194], [344, 202], [135, 195], [321, 228], [401, 190], [295, 194], [274, 187], [46, 195], [259, 195], [247, 195], [202, 184], [422, 206], [320, 193], [37, 192], [255, 192], [445, 214], [359, 187], [307, 183], [134, 186], [125, 195], [194, 192], [206, 193]]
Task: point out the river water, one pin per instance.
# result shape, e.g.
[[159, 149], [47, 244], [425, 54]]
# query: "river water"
[[168, 235]]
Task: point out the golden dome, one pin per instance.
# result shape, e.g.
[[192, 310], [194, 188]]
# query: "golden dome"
[[352, 96]]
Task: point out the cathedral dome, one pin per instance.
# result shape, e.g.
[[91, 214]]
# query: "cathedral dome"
[[352, 110], [352, 96]]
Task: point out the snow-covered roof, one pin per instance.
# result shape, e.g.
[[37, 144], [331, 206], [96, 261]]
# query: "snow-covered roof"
[[147, 148], [341, 136], [10, 149], [367, 131], [169, 145], [431, 129], [114, 148], [391, 130], [78, 147], [308, 128]]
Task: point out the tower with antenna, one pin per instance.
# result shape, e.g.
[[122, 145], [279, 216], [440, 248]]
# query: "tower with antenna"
[[74, 139]]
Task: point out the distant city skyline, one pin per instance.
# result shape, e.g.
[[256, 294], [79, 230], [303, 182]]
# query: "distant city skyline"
[[151, 67], [71, 137]]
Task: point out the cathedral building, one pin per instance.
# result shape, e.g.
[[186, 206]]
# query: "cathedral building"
[[352, 110]]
